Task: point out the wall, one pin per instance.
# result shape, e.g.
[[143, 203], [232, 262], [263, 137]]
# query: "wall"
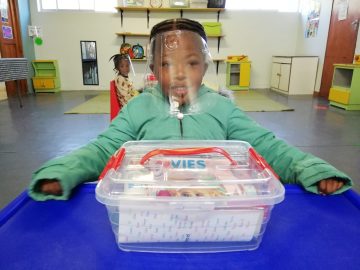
[[258, 34], [315, 45]]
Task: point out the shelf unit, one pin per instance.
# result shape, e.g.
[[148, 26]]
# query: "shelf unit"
[[238, 75], [345, 88], [181, 10], [294, 75], [130, 34], [47, 78], [216, 60]]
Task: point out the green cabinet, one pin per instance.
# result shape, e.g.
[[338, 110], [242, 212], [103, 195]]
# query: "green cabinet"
[[46, 77], [345, 88]]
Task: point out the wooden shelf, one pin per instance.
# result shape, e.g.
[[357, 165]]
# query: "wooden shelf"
[[130, 34], [169, 9], [216, 60], [146, 35], [181, 10]]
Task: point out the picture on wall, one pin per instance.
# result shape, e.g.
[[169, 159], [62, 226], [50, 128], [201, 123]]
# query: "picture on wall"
[[4, 11], [313, 17], [89, 62]]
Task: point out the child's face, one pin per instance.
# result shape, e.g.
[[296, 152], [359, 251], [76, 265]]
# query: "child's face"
[[179, 64], [124, 67]]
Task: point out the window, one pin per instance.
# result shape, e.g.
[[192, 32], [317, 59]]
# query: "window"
[[279, 5], [89, 5]]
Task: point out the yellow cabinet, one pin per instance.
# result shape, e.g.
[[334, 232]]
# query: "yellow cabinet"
[[345, 88], [46, 77], [238, 75], [43, 83]]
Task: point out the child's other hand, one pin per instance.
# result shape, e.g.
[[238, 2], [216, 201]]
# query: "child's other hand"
[[328, 186], [52, 187]]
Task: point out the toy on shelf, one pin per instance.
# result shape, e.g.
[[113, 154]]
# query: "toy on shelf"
[[126, 48]]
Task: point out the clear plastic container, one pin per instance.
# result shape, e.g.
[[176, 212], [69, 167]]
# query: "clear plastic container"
[[188, 196]]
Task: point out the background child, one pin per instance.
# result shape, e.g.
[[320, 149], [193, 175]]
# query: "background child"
[[181, 107], [124, 86]]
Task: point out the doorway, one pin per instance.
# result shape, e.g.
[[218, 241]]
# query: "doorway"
[[10, 40], [341, 43]]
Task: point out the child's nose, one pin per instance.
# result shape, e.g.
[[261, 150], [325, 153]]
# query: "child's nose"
[[180, 72]]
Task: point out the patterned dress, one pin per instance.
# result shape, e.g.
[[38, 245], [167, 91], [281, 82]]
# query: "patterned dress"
[[124, 90]]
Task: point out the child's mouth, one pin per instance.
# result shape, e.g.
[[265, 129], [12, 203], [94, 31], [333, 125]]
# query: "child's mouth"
[[179, 91]]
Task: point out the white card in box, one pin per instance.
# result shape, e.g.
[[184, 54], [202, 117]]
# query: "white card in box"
[[188, 196]]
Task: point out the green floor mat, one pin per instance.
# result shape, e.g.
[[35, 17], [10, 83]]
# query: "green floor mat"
[[252, 101], [249, 101], [98, 104]]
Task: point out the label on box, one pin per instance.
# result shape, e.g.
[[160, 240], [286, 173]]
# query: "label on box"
[[136, 226]]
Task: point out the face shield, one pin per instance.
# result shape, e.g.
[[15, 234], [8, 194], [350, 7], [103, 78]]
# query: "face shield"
[[123, 65], [180, 63]]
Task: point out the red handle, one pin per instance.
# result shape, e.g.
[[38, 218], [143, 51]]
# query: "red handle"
[[114, 162], [187, 151], [261, 161]]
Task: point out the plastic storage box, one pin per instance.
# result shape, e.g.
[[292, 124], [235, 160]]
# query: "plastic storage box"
[[188, 196]]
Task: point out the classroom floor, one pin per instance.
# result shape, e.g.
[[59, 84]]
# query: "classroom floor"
[[40, 130]]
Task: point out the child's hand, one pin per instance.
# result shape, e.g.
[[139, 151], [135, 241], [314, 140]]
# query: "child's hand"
[[52, 187], [328, 186]]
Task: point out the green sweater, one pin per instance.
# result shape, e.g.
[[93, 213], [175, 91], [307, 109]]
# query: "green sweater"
[[146, 117]]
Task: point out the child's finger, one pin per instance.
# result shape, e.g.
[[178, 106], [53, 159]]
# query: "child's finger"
[[339, 185], [51, 187], [333, 185], [322, 186]]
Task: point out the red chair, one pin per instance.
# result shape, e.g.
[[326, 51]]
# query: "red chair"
[[115, 106]]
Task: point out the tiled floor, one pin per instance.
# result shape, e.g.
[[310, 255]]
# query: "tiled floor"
[[40, 130]]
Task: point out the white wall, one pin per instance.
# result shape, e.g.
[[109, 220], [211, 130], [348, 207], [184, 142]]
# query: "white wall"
[[315, 45], [258, 34]]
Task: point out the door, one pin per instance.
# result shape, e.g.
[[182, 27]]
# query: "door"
[[275, 74], [341, 43], [284, 77], [245, 74], [10, 40]]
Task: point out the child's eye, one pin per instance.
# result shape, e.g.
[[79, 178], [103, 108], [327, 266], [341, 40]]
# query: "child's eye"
[[165, 64], [194, 63]]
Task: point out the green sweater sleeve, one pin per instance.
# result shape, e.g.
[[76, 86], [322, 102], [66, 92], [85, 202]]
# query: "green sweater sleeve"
[[291, 164], [86, 163]]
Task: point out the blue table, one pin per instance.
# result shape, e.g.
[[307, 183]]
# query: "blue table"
[[306, 231]]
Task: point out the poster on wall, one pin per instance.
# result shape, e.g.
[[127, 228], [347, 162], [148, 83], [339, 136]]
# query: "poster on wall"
[[7, 32], [4, 11], [313, 17]]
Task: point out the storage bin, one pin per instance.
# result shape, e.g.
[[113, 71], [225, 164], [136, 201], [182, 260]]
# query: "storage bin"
[[216, 4], [198, 3], [179, 3], [212, 28], [188, 196]]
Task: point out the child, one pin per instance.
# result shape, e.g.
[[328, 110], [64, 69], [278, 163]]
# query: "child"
[[181, 107], [124, 87]]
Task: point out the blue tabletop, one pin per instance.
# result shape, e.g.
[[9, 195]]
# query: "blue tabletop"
[[305, 231]]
